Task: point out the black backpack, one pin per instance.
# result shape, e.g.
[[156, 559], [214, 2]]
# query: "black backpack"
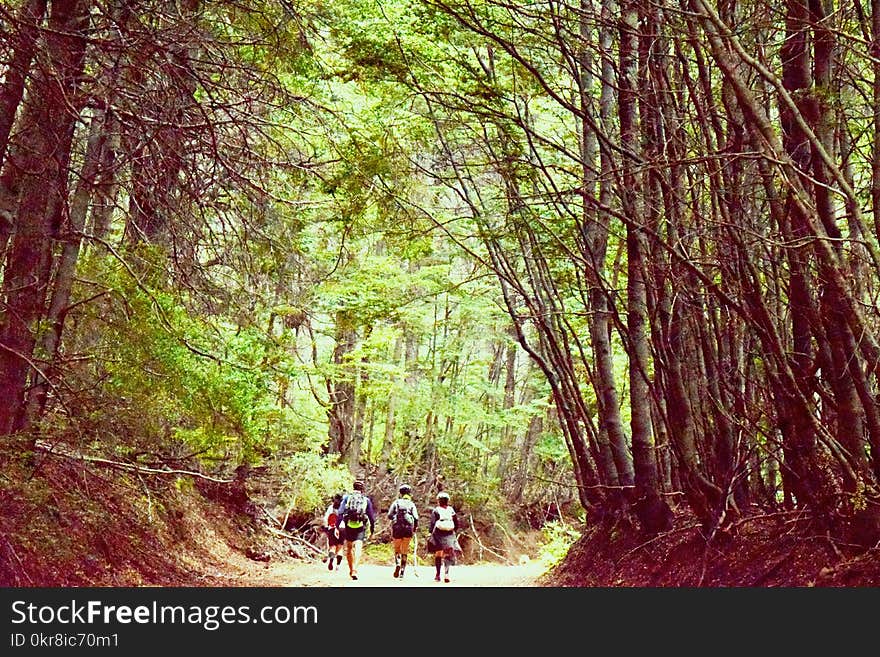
[[404, 517]]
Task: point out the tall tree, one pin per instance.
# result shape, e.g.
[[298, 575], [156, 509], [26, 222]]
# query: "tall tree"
[[38, 168]]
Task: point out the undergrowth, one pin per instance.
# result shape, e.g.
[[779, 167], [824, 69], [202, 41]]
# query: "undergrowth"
[[558, 537]]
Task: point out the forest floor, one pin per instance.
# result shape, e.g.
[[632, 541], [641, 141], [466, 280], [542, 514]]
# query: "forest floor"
[[69, 524], [761, 549], [65, 525]]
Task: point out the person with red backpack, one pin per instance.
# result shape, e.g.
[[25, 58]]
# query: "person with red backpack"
[[330, 525], [404, 519], [444, 543]]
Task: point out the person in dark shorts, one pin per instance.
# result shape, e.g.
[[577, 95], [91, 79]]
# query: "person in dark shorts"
[[444, 524], [357, 511], [404, 519], [330, 525]]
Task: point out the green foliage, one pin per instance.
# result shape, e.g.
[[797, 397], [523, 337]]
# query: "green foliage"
[[551, 447], [379, 552], [310, 479], [206, 387], [558, 537], [222, 342]]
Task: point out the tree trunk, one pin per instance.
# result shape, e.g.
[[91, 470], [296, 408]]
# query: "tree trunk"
[[24, 41], [390, 417], [654, 514], [341, 390], [41, 172], [875, 155], [594, 246], [506, 447], [50, 341]]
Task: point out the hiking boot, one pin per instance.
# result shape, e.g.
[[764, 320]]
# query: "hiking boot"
[[330, 563], [396, 571], [354, 576], [446, 579], [338, 559], [401, 573], [436, 578]]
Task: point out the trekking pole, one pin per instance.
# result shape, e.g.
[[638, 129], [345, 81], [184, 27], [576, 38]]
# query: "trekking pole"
[[415, 555]]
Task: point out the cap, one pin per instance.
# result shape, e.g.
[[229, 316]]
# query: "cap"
[[442, 495], [405, 489]]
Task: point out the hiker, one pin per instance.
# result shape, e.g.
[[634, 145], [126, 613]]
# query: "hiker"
[[330, 525], [357, 510], [443, 541], [404, 523]]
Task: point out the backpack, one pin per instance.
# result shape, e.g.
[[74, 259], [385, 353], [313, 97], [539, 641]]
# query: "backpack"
[[404, 518], [444, 523], [355, 509]]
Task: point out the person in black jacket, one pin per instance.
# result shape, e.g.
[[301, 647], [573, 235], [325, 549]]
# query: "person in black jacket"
[[357, 510]]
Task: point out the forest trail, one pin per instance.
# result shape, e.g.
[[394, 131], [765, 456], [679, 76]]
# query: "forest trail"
[[309, 573]]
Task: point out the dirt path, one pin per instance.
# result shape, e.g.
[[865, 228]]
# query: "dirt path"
[[308, 573], [381, 575]]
